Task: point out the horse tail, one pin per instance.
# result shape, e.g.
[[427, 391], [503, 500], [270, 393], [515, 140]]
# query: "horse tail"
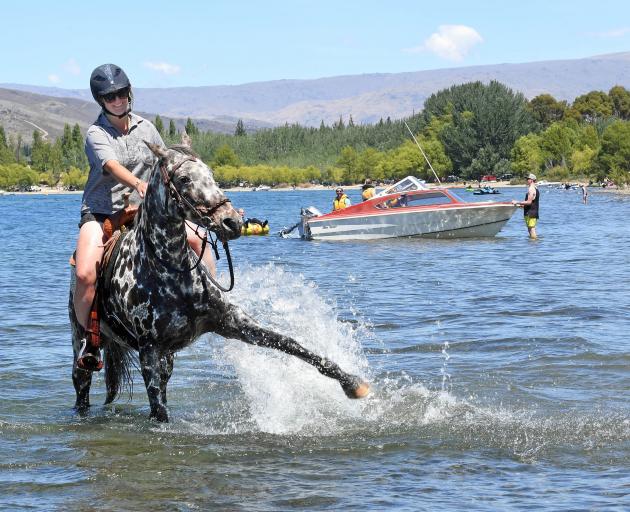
[[118, 362]]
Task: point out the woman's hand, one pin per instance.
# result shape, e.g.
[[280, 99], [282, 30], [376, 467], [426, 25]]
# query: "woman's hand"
[[140, 187]]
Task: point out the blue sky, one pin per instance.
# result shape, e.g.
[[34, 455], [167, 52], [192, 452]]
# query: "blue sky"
[[190, 43]]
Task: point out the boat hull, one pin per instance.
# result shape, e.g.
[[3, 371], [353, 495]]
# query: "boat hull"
[[462, 221]]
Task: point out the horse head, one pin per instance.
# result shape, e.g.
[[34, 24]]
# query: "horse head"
[[191, 192]]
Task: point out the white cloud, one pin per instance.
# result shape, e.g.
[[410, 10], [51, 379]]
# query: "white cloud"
[[163, 67], [614, 33], [72, 67], [451, 42], [54, 79]]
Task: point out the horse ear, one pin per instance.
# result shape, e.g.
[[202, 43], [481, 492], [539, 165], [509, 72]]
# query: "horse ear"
[[158, 151], [186, 140]]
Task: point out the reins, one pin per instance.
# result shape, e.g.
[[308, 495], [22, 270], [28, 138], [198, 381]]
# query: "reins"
[[183, 204]]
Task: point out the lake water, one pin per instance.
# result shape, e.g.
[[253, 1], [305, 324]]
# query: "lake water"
[[500, 372]]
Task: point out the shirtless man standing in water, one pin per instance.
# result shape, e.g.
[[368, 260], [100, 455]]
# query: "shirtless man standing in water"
[[530, 206]]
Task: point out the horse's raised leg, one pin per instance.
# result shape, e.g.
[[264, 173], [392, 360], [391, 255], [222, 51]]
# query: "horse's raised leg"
[[166, 370], [242, 327], [150, 364]]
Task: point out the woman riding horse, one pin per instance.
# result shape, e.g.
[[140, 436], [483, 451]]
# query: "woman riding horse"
[[119, 161], [159, 299]]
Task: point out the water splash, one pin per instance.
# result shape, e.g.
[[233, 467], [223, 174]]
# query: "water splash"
[[446, 377], [280, 395]]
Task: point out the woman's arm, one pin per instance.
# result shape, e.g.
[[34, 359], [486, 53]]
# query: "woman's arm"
[[124, 176]]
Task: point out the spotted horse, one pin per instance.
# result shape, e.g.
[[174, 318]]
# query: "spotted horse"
[[160, 299]]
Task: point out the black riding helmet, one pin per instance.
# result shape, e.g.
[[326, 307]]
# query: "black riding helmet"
[[109, 78]]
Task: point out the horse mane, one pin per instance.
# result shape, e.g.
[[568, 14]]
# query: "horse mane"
[[184, 149]]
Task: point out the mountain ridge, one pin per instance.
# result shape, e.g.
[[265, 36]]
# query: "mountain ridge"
[[367, 97]]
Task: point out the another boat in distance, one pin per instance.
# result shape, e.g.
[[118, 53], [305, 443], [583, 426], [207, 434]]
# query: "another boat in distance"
[[260, 188], [486, 190], [408, 209]]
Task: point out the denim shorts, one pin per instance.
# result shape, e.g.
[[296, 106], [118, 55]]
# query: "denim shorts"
[[89, 217]]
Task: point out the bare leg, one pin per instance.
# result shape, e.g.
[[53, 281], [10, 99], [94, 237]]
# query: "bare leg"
[[195, 243], [532, 233], [88, 258]]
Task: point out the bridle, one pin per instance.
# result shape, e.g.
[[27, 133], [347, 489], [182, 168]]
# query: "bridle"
[[183, 205]]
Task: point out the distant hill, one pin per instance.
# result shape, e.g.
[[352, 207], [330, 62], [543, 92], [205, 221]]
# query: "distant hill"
[[366, 97], [23, 112]]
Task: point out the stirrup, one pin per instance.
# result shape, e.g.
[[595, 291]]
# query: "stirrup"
[[87, 360]]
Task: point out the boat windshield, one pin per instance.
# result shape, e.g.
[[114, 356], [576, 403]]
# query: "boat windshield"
[[405, 185], [423, 199], [457, 194]]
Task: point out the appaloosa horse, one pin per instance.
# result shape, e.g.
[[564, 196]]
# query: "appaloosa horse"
[[159, 301]]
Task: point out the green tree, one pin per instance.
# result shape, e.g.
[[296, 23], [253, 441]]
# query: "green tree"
[[39, 152], [348, 162], [614, 155], [367, 164], [527, 156], [159, 125], [3, 138], [74, 178], [172, 131], [240, 128], [225, 155], [191, 128], [67, 142], [592, 106], [482, 116], [6, 154], [77, 138], [546, 109], [620, 97], [582, 161], [557, 143]]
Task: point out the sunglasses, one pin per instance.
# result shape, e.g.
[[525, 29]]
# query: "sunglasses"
[[111, 96]]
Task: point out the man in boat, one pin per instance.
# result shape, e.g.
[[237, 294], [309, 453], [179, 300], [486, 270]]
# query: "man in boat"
[[530, 206], [368, 190], [341, 200]]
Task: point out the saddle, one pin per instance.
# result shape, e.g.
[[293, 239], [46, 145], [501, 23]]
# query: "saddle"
[[115, 228]]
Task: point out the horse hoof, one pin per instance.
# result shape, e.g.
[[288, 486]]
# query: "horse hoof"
[[356, 388], [82, 410], [161, 416]]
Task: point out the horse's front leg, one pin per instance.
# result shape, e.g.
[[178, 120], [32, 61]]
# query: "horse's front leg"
[[242, 327], [166, 370], [150, 364], [81, 379]]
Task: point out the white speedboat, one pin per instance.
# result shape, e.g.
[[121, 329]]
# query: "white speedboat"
[[408, 208]]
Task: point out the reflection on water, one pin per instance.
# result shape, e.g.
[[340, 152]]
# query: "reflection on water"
[[496, 364]]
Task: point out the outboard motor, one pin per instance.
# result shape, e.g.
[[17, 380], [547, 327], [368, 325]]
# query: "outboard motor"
[[305, 214]]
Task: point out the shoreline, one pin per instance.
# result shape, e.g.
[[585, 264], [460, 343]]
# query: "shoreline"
[[54, 191]]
